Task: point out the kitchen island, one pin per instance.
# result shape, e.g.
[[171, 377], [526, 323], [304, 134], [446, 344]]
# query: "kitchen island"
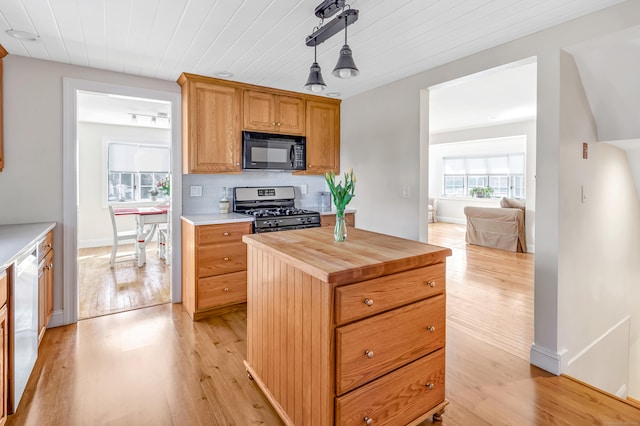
[[346, 333]]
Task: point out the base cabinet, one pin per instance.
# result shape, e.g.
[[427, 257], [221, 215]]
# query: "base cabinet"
[[214, 267], [4, 349], [45, 283], [330, 219], [330, 346]]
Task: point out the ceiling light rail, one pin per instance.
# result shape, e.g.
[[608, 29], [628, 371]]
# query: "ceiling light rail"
[[327, 31], [346, 67]]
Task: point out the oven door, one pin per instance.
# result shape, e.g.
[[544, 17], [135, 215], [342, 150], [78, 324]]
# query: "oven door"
[[266, 152]]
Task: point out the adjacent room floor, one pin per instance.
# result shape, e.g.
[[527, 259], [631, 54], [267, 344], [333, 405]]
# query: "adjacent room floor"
[[103, 289]]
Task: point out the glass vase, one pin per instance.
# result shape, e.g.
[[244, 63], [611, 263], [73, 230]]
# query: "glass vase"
[[340, 231]]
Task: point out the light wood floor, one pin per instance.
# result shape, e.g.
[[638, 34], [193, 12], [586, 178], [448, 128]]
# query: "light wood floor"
[[155, 366], [103, 289]]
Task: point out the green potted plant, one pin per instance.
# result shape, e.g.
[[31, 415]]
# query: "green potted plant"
[[481, 192]]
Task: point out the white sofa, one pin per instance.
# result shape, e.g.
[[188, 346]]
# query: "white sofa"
[[498, 227]]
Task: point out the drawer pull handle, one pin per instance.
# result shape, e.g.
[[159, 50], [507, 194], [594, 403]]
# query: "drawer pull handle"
[[368, 302], [430, 386], [226, 234], [431, 284], [368, 421], [431, 328], [226, 259], [369, 354], [226, 289]]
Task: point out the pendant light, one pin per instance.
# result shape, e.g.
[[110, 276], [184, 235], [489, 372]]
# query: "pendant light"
[[315, 83], [346, 67]]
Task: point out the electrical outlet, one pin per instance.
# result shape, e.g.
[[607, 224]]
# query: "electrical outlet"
[[196, 191], [304, 189]]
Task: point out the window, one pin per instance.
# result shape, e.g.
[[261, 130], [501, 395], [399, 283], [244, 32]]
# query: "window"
[[503, 173], [134, 169]]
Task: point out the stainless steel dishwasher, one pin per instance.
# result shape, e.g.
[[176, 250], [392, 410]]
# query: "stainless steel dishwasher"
[[24, 300]]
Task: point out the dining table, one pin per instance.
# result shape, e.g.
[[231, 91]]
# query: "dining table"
[[147, 221]]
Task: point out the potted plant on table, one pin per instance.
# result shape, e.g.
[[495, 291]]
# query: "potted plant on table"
[[341, 194], [481, 192], [153, 193]]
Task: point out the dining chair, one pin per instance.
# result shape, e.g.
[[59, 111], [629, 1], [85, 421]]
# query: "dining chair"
[[119, 236]]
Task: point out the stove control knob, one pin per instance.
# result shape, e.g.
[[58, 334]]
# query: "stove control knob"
[[268, 223]]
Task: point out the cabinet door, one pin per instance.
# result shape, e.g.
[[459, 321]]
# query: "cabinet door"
[[212, 135], [4, 364], [323, 137], [3, 53], [259, 111], [48, 297], [290, 117], [42, 295]]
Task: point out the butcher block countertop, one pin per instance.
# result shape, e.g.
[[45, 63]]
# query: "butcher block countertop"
[[364, 255]]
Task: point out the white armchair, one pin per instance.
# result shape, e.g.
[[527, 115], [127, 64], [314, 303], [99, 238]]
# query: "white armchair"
[[432, 214]]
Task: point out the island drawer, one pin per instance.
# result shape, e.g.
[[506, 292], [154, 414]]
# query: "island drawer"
[[397, 398], [225, 233], [369, 348], [221, 259], [222, 290], [367, 298]]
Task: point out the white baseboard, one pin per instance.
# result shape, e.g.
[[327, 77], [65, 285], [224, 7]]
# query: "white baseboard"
[[95, 243], [452, 220], [546, 359], [57, 319], [622, 392]]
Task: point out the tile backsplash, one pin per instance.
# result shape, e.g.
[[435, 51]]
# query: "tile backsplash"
[[212, 186]]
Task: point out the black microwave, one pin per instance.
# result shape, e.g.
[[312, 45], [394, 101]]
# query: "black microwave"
[[267, 151]]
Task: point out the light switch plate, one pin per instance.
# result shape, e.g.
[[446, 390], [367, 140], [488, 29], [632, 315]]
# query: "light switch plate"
[[196, 191]]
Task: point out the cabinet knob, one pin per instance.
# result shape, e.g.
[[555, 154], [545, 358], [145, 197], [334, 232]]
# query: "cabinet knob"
[[368, 421], [237, 164], [431, 329], [430, 386], [431, 284], [50, 265], [369, 354], [226, 289], [226, 234], [226, 259], [368, 302]]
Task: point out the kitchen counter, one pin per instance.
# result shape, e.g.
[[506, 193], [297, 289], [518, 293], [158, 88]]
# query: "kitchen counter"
[[333, 212], [15, 239], [216, 218]]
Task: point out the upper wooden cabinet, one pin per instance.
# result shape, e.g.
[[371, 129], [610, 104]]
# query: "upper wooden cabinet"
[[3, 53], [323, 136], [210, 126], [272, 113], [215, 111]]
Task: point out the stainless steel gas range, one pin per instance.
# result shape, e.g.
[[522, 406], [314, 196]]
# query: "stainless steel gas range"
[[273, 208]]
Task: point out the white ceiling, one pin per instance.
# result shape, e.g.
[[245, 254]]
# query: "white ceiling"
[[502, 95], [262, 41]]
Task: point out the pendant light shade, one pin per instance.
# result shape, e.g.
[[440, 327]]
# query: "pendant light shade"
[[346, 67], [315, 82]]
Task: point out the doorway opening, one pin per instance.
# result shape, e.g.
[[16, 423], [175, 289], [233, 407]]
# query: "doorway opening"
[[482, 143], [124, 165], [136, 190]]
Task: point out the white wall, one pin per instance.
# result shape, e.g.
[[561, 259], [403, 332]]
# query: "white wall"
[[603, 230], [382, 139], [31, 182], [94, 223]]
